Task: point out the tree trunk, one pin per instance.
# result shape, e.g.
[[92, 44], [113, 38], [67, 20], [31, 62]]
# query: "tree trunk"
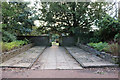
[[74, 15]]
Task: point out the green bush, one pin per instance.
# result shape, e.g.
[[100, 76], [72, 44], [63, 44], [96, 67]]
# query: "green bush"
[[26, 41], [12, 45], [113, 48], [84, 38], [108, 28], [7, 37], [117, 37], [96, 37], [99, 46]]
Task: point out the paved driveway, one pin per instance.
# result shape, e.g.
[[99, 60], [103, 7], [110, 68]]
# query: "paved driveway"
[[56, 58]]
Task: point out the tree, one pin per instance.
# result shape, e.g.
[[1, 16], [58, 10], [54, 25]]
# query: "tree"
[[109, 27], [70, 17], [16, 20]]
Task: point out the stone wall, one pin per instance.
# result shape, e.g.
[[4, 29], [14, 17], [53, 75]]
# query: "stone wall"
[[45, 40], [37, 40], [67, 41]]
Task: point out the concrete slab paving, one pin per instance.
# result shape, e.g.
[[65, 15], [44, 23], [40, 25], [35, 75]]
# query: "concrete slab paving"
[[56, 58], [25, 59], [87, 59]]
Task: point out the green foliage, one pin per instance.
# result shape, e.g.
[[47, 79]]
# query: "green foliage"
[[12, 45], [117, 37], [26, 41], [85, 37], [36, 31], [71, 18], [96, 37], [109, 27], [16, 18], [113, 48], [99, 46], [7, 37], [110, 48]]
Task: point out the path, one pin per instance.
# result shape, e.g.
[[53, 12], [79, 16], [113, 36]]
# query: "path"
[[56, 58], [87, 59], [25, 59]]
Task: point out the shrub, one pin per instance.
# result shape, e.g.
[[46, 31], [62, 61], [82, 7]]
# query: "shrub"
[[117, 37], [99, 46], [7, 37], [108, 28], [3, 47], [96, 37], [84, 38], [12, 45], [26, 41], [113, 48]]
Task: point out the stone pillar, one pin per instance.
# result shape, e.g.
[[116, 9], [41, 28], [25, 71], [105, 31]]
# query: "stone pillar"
[[50, 39], [60, 39]]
